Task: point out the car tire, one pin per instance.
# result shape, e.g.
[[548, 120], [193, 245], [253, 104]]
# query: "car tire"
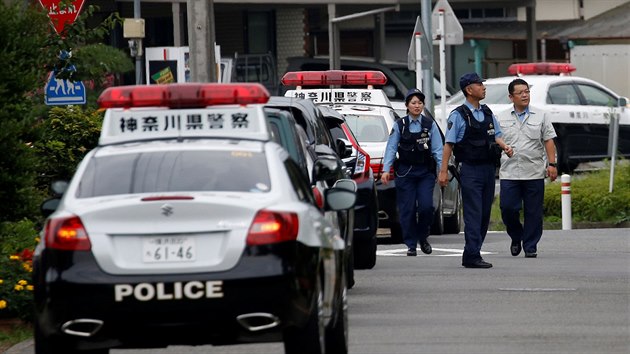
[[309, 339], [396, 232], [337, 330], [365, 253], [349, 264], [437, 226], [453, 223]]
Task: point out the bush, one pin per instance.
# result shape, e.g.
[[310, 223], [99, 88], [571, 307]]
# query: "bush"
[[590, 197], [16, 265]]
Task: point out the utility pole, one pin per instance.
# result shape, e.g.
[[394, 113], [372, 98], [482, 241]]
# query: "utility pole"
[[201, 40]]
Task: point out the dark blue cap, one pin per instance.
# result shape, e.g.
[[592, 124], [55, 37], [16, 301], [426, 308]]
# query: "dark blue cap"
[[470, 78], [414, 92]]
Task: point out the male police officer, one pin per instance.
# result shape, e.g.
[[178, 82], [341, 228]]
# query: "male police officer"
[[474, 137], [417, 140]]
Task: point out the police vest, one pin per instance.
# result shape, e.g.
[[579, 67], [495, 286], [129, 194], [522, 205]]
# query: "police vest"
[[478, 144], [415, 148]]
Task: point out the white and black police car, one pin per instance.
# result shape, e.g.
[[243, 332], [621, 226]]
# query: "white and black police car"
[[188, 225]]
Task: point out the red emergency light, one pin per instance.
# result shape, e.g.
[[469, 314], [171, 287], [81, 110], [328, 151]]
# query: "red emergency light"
[[334, 77], [541, 69], [189, 95]]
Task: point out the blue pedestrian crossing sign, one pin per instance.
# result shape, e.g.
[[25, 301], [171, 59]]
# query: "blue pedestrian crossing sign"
[[60, 92]]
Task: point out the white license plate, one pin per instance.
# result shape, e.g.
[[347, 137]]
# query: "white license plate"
[[168, 249]]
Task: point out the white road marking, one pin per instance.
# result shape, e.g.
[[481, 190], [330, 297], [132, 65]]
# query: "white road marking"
[[449, 252], [538, 289]]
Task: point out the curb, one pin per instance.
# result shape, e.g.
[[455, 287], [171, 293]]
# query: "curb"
[[20, 348]]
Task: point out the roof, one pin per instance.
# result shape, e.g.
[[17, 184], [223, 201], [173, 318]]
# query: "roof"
[[612, 24]]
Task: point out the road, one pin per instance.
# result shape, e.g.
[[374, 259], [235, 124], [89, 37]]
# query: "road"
[[573, 298]]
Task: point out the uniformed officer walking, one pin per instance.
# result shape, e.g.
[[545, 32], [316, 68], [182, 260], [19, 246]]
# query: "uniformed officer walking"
[[417, 140], [522, 176], [474, 137]]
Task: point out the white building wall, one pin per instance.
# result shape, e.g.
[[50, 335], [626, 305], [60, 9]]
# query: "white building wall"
[[290, 36], [593, 8], [547, 10]]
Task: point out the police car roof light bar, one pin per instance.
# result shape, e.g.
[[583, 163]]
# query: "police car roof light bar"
[[189, 95], [334, 77], [541, 69]]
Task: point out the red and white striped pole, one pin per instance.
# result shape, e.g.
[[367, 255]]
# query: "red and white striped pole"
[[565, 191]]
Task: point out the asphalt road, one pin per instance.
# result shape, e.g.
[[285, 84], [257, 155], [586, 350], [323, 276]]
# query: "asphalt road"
[[573, 298]]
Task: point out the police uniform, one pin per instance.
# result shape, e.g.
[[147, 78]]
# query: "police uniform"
[[418, 143], [473, 132], [522, 176]]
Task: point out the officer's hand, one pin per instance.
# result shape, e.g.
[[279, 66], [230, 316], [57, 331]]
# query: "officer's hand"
[[385, 178], [443, 178]]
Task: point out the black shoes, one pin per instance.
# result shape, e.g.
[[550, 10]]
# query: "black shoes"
[[480, 263], [515, 248], [412, 252], [531, 255], [426, 247]]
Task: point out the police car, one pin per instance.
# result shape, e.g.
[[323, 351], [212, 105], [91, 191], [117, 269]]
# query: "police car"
[[370, 116], [188, 225], [579, 109]]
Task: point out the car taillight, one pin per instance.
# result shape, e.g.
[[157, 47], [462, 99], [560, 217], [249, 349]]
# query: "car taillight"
[[67, 234], [272, 227], [319, 198]]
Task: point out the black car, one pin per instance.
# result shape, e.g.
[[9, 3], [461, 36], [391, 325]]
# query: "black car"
[[319, 144], [366, 208]]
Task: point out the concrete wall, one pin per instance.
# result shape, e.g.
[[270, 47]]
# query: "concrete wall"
[[606, 64]]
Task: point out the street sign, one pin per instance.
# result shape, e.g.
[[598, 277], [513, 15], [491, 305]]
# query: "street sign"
[[425, 48], [62, 14], [59, 92], [453, 31]]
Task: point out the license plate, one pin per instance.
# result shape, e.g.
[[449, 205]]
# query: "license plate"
[[168, 249]]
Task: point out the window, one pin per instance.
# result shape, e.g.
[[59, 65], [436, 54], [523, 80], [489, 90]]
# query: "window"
[[299, 182], [597, 97], [564, 94], [175, 171], [368, 128]]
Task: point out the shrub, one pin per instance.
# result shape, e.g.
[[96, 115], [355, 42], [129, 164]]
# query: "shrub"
[[16, 265]]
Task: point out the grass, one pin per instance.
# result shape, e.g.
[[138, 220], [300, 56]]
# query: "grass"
[[12, 333]]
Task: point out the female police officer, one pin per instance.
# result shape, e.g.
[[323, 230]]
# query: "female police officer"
[[417, 140]]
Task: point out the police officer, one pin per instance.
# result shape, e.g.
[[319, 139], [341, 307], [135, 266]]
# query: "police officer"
[[474, 137], [417, 140]]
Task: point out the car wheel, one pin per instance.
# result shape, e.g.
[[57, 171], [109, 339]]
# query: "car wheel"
[[396, 232], [337, 330], [365, 253], [453, 223], [437, 226], [45, 345], [349, 262], [309, 339]]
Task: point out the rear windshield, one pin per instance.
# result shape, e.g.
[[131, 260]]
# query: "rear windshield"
[[175, 171], [368, 128]]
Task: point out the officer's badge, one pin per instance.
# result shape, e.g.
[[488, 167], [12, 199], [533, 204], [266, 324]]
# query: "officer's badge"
[[449, 125], [491, 126]]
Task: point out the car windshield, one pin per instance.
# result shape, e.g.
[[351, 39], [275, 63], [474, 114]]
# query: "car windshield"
[[175, 171], [368, 128], [495, 94]]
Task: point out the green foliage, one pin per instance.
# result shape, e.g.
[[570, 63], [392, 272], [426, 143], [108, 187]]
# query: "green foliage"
[[590, 197], [67, 135], [16, 266]]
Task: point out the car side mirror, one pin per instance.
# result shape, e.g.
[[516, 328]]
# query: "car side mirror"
[[339, 198], [344, 148], [49, 206], [623, 102]]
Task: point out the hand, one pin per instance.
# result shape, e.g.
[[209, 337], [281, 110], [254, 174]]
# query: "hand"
[[443, 178], [385, 178], [552, 173], [508, 150]]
